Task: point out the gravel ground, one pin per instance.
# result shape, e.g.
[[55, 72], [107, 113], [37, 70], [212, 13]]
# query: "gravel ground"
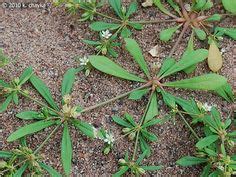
[[49, 40]]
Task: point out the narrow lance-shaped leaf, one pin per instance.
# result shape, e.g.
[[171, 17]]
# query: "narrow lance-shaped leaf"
[[26, 75], [138, 94], [107, 66], [5, 154], [206, 141], [231, 32], [152, 109], [204, 82], [134, 49], [116, 5], [186, 61], [100, 26], [21, 170], [5, 104], [166, 34], [162, 8], [132, 9], [66, 150], [50, 170], [68, 81], [167, 64], [29, 115], [226, 92], [43, 90], [84, 127], [121, 171], [29, 129], [190, 160]]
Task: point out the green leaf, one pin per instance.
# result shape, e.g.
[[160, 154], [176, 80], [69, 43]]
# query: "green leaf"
[[3, 83], [204, 82], [187, 60], [167, 64], [100, 26], [162, 8], [216, 117], [130, 119], [152, 122], [226, 92], [136, 26], [206, 141], [199, 4], [26, 75], [229, 5], [91, 42], [68, 81], [174, 6], [138, 94], [167, 34], [21, 170], [15, 98], [125, 32], [29, 129], [168, 99], [5, 104], [144, 146], [116, 5], [84, 127], [121, 171], [231, 32], [206, 170], [200, 33], [141, 157], [133, 7], [29, 115], [107, 66], [66, 150], [50, 170], [152, 108], [215, 17], [5, 154], [151, 168], [149, 136], [190, 160], [121, 122], [43, 90], [134, 49]]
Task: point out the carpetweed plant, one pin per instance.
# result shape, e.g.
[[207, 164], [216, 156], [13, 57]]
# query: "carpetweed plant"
[[17, 161], [214, 150]]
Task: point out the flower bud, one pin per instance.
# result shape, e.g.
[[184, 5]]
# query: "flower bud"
[[107, 150], [131, 136], [122, 161], [104, 50], [141, 170], [126, 130], [3, 164]]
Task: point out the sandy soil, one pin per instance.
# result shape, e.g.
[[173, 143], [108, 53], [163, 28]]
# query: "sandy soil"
[[49, 41]]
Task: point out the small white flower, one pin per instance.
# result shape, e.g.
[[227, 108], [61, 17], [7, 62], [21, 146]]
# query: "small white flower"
[[206, 107], [106, 34], [223, 50], [84, 61], [109, 138]]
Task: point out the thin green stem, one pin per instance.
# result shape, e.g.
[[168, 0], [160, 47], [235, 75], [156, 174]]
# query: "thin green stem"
[[153, 21], [47, 139], [106, 16], [189, 127], [115, 98], [39, 102], [18, 164], [141, 122]]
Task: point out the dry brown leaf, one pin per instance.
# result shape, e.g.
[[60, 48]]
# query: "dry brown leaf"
[[154, 51], [147, 3], [215, 60]]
